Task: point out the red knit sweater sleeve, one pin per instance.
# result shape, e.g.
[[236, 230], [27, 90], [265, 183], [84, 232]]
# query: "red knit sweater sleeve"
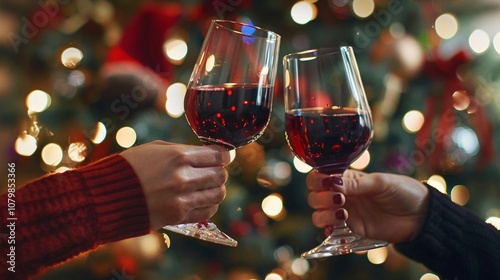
[[61, 215]]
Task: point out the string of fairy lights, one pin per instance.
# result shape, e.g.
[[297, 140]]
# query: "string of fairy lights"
[[176, 49]]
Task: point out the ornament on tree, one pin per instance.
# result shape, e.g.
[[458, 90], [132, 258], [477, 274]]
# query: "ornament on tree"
[[403, 57], [450, 95], [402, 54]]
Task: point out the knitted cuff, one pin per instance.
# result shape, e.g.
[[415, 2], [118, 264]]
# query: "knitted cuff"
[[119, 204]]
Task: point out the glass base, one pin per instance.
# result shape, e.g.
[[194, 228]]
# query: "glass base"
[[342, 241], [207, 231]]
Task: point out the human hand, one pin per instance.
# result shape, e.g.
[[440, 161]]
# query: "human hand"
[[378, 206], [181, 183]]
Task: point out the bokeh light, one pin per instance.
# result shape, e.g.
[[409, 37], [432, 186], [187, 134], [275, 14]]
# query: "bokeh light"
[[38, 101], [300, 267], [429, 276], [397, 30], [52, 154], [71, 57], [438, 182], [460, 194], [103, 11], [274, 174], [76, 78], [362, 162], [273, 276], [272, 205], [496, 42], [461, 100], [301, 166], [282, 172], [303, 12], [377, 256], [99, 133], [413, 121], [494, 221], [247, 29], [126, 137], [466, 139], [175, 100], [363, 8], [150, 246], [175, 50], [446, 26], [77, 151], [479, 41], [25, 145], [283, 253], [62, 169]]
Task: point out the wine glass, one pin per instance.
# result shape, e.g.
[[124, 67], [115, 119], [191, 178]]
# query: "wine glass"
[[229, 96], [328, 125]]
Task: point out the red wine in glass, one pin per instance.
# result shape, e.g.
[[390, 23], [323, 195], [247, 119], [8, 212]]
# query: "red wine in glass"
[[229, 96], [327, 139], [231, 115], [328, 126]]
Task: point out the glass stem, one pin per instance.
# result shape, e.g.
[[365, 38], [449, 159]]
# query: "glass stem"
[[341, 229]]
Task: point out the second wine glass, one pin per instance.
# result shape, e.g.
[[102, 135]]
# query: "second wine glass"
[[328, 125], [229, 96]]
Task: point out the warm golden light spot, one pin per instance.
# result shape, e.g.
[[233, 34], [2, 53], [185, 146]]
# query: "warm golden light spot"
[[303, 12], [446, 26], [363, 8], [52, 154], [38, 101], [479, 41], [77, 151], [437, 182], [71, 57], [496, 42], [25, 145], [272, 205], [413, 121], [362, 162], [175, 50], [126, 137], [99, 134], [301, 166], [175, 100], [429, 276], [377, 256], [460, 195], [494, 221]]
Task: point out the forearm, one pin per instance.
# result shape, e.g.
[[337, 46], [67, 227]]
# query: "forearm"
[[455, 243], [62, 215]]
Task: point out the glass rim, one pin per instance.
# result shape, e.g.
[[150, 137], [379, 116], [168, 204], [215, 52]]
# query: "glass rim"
[[221, 22], [317, 52]]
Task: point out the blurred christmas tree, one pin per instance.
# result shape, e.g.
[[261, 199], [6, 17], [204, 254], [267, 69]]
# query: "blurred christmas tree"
[[81, 79]]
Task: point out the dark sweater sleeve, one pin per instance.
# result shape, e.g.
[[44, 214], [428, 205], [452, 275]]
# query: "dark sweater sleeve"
[[64, 214], [455, 243]]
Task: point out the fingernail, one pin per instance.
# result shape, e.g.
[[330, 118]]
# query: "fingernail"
[[338, 181], [337, 199], [340, 215]]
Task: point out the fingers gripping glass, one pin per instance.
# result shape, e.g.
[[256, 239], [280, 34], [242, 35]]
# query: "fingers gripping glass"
[[328, 125], [229, 96]]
